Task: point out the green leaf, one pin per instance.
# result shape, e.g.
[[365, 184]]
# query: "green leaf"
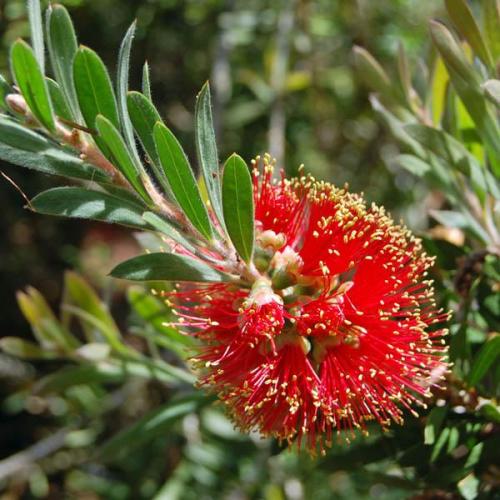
[[206, 149], [466, 83], [434, 423], [454, 152], [16, 136], [181, 179], [93, 88], [469, 487], [487, 357], [474, 455], [439, 85], [146, 83], [85, 204], [164, 227], [119, 153], [491, 412], [144, 116], [110, 371], [462, 17], [404, 75], [122, 90], [25, 148], [237, 202], [151, 425], [440, 443], [492, 91], [81, 294], [97, 329], [24, 349], [452, 218], [413, 164], [47, 329], [36, 31], [372, 73], [63, 45], [452, 53], [59, 102], [166, 267], [155, 314], [31, 82], [491, 22]]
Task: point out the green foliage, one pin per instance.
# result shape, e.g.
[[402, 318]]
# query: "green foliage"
[[454, 129]]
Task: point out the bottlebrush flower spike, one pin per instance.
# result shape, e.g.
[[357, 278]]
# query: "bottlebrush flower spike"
[[338, 328]]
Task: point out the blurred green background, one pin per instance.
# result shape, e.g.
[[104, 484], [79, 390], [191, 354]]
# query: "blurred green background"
[[283, 81]]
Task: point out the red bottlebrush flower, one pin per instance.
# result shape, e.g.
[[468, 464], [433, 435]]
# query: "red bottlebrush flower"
[[339, 329]]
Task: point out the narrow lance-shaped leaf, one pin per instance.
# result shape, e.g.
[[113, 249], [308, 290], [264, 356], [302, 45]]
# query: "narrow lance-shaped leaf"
[[84, 204], [31, 82], [93, 88], [146, 82], [452, 53], [122, 90], [237, 201], [119, 154], [206, 148], [81, 294], [372, 73], [63, 45], [152, 424], [166, 267], [181, 179], [462, 17], [487, 357], [404, 74], [36, 30], [144, 116], [23, 147], [438, 90]]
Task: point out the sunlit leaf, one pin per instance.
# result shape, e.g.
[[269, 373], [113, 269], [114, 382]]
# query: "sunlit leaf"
[[206, 148], [85, 204], [181, 179], [36, 31], [93, 88], [237, 202], [120, 154], [63, 45], [31, 82], [166, 267]]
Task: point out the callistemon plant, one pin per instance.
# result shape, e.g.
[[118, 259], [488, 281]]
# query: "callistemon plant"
[[313, 311]]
